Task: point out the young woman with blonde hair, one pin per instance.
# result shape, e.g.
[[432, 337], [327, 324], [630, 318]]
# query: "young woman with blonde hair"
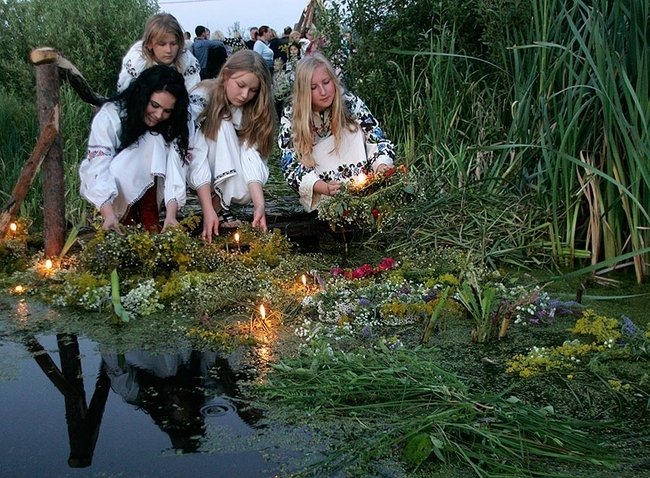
[[163, 43], [327, 135], [233, 140]]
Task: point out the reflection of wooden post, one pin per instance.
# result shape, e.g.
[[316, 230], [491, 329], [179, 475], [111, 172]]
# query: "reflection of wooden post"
[[83, 421], [47, 96]]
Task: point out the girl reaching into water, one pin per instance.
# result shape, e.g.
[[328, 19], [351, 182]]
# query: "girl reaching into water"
[[163, 43], [234, 138], [327, 135], [137, 151]]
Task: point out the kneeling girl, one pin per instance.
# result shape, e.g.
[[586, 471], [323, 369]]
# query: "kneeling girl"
[[234, 138]]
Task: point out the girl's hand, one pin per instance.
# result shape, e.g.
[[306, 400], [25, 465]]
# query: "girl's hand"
[[330, 188], [333, 188], [111, 222], [169, 223], [382, 168], [210, 225], [259, 219], [259, 213]]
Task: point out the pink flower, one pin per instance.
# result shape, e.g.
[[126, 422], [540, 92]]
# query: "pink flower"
[[389, 172], [362, 271], [387, 264]]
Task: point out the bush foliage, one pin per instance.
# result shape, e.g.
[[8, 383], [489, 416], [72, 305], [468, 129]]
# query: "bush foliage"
[[93, 35]]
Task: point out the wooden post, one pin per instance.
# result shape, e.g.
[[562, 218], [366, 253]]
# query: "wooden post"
[[27, 175], [47, 96]]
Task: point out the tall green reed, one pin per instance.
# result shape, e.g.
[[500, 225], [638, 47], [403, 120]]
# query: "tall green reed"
[[18, 132], [580, 83], [447, 119], [386, 400]]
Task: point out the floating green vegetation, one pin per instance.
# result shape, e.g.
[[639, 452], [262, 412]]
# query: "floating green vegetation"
[[387, 400]]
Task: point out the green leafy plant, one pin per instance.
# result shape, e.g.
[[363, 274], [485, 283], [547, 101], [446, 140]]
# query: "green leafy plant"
[[480, 303], [119, 311]]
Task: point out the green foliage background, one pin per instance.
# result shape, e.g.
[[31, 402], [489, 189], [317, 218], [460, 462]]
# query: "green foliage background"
[[93, 35], [544, 101]]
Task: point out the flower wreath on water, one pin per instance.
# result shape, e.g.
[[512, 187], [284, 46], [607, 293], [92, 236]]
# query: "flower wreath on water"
[[370, 201]]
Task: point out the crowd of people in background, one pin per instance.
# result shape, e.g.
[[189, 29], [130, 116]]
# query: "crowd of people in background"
[[201, 113]]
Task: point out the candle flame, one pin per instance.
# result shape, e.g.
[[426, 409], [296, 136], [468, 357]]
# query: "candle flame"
[[361, 179], [48, 264], [13, 227], [304, 280], [19, 289], [262, 311], [236, 237]]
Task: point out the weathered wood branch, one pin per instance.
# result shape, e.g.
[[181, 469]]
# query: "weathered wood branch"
[[68, 72], [43, 145]]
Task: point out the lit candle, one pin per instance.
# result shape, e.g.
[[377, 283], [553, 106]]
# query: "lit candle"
[[304, 280], [360, 180], [262, 311], [13, 227], [19, 289], [48, 264], [237, 241]]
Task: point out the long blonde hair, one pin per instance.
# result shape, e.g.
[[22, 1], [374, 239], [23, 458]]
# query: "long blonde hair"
[[158, 25], [303, 134], [258, 114]]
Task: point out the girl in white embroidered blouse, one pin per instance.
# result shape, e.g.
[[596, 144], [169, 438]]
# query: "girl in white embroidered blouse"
[[138, 152], [163, 43], [235, 136], [327, 135]]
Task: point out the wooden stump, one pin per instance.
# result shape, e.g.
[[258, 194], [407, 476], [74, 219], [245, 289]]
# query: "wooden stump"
[[47, 96]]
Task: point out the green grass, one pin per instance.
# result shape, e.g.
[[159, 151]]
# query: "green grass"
[[19, 132]]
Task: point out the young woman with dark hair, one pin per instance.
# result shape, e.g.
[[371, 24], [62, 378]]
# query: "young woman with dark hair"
[[138, 152]]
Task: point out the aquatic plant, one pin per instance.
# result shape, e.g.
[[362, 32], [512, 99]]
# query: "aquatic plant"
[[143, 300], [14, 254], [406, 401], [83, 290], [601, 334]]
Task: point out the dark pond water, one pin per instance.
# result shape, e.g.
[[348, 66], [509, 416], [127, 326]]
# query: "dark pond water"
[[68, 408]]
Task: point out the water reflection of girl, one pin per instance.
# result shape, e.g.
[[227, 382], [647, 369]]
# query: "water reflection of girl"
[[174, 390]]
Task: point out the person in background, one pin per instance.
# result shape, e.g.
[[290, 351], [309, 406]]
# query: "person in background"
[[316, 41], [262, 45], [218, 35], [294, 36], [253, 33], [305, 40], [282, 46], [327, 135], [137, 152], [293, 57], [233, 141], [188, 41], [211, 54], [163, 43]]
